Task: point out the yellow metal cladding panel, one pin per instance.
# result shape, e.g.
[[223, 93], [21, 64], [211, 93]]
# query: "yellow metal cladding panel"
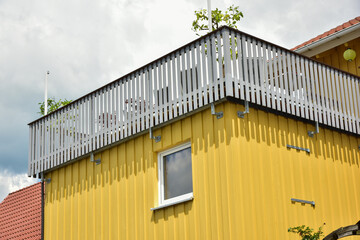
[[243, 179]]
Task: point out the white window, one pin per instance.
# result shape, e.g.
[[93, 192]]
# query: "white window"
[[175, 175]]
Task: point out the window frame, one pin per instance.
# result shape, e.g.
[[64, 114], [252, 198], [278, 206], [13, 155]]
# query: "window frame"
[[180, 198]]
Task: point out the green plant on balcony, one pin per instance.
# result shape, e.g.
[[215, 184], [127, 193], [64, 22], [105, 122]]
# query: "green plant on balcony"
[[52, 105]]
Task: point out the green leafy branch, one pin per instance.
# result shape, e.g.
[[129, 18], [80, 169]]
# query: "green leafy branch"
[[52, 105], [218, 18], [307, 233]]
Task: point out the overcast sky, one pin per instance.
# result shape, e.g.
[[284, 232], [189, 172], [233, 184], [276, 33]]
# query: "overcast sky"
[[86, 44]]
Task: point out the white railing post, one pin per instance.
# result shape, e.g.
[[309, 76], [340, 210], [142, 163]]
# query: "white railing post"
[[227, 62]]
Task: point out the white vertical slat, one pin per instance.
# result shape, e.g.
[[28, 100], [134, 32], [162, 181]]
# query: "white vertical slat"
[[117, 111], [250, 61], [66, 134], [180, 75], [137, 102], [147, 90], [36, 147], [102, 117], [349, 101], [210, 69], [220, 66], [169, 92], [106, 116], [193, 98], [30, 150], [152, 70], [132, 124], [142, 100], [322, 95], [86, 126], [338, 101], [271, 73], [214, 69], [175, 84], [300, 90], [81, 126], [304, 91], [257, 57], [357, 83], [291, 85], [355, 106], [286, 83], [331, 100], [334, 99], [122, 110], [235, 65], [264, 78], [314, 110], [70, 132], [156, 93], [164, 90], [327, 104], [309, 90], [276, 79], [246, 69], [227, 61], [205, 74], [188, 81], [113, 113], [56, 138], [281, 80], [295, 86], [183, 82], [345, 101], [328, 95], [161, 91], [200, 71], [318, 97]]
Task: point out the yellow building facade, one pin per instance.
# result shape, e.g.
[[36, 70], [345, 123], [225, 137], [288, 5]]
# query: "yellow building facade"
[[244, 177], [190, 147]]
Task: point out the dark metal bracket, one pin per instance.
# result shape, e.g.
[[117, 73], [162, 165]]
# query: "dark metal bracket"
[[242, 114], [312, 133], [156, 138], [96, 161], [218, 114], [298, 148]]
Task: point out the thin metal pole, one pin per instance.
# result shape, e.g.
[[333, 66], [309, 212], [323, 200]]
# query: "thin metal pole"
[[209, 14], [46, 94], [42, 205]]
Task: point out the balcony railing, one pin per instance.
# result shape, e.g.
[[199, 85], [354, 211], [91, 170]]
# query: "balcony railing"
[[224, 63]]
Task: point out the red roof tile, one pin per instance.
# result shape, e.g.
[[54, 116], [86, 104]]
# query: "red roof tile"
[[20, 214], [331, 31]]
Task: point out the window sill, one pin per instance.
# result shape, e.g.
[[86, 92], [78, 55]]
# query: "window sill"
[[173, 203]]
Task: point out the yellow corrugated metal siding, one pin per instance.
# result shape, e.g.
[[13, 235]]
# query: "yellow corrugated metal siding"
[[243, 180]]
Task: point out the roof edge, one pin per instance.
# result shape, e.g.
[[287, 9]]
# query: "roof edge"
[[328, 38]]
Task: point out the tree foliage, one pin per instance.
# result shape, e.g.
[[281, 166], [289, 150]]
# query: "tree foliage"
[[218, 18], [52, 105], [307, 233]]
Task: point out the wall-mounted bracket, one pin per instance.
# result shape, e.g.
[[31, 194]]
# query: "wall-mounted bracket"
[[242, 114], [298, 148], [156, 138], [218, 114], [303, 201], [96, 161], [312, 133]]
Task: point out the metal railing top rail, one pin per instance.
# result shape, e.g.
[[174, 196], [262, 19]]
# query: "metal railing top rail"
[[186, 46]]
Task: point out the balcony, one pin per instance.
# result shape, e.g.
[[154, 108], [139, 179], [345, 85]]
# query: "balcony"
[[225, 63]]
